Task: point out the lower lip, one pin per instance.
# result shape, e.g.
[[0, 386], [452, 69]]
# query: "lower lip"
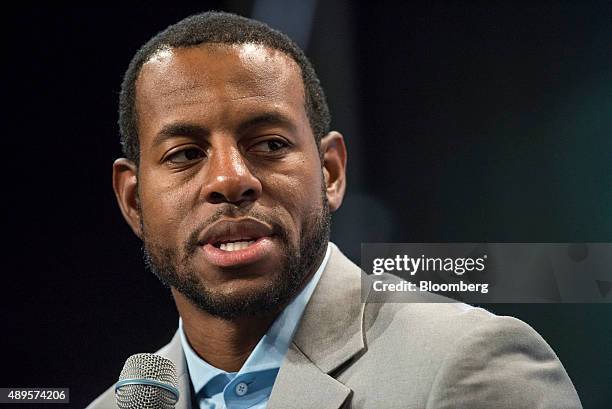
[[262, 248]]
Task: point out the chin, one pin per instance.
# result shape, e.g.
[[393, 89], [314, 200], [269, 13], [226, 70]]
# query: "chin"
[[215, 277]]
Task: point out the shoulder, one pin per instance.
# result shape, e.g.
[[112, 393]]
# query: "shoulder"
[[439, 329], [450, 354], [442, 321], [387, 315], [422, 313]]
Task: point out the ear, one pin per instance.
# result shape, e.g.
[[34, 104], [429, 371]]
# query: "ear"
[[125, 184], [333, 153]]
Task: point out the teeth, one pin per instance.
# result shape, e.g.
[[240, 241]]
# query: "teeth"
[[236, 245]]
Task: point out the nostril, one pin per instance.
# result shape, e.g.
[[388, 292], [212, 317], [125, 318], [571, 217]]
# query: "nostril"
[[232, 190], [216, 197], [250, 193]]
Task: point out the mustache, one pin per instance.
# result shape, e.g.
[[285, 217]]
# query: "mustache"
[[231, 211]]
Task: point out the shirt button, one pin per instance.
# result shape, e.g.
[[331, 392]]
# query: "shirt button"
[[241, 389]]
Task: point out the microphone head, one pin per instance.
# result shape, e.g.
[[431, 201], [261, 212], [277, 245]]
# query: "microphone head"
[[147, 381]]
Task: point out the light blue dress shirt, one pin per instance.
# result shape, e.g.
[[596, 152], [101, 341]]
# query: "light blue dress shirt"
[[251, 386]]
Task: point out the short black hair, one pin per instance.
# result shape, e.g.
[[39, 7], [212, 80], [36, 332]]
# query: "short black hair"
[[224, 28]]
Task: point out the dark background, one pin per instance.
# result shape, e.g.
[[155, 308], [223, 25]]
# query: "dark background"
[[465, 121]]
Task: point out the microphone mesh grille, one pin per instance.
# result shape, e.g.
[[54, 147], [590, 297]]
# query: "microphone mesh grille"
[[152, 367]]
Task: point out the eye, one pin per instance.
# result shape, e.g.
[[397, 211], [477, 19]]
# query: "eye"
[[185, 155], [270, 145]]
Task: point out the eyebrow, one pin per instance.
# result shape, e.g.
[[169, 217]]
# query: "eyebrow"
[[268, 118], [196, 131], [176, 129]]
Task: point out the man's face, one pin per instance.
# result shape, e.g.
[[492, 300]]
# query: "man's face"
[[230, 201]]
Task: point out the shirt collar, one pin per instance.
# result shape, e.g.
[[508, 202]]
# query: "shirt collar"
[[271, 348]]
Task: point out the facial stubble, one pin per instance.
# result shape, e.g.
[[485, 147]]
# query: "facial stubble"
[[297, 262]]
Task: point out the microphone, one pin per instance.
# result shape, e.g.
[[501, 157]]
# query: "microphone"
[[147, 381]]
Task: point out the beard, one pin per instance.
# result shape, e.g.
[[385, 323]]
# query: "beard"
[[173, 268]]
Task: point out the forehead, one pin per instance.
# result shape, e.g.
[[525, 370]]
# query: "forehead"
[[177, 81]]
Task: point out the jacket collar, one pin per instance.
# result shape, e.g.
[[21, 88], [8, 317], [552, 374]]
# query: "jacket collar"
[[330, 332], [329, 335]]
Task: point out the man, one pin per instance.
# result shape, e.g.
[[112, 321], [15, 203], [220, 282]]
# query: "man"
[[230, 177]]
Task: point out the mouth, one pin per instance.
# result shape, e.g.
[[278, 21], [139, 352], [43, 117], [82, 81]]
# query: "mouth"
[[234, 243]]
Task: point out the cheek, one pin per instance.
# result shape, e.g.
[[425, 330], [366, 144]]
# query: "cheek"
[[164, 207], [297, 190]]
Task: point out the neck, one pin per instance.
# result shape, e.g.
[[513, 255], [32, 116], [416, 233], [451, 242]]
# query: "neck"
[[225, 344]]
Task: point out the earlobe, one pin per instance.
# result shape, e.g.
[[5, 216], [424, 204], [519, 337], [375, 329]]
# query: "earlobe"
[[125, 185], [334, 168]]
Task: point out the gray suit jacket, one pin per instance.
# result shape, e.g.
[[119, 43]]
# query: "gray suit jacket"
[[347, 354]]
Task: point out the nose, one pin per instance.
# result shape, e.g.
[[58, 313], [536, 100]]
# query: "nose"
[[229, 179]]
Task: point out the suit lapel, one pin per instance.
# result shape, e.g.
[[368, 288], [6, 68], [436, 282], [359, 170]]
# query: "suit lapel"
[[329, 334], [300, 384]]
